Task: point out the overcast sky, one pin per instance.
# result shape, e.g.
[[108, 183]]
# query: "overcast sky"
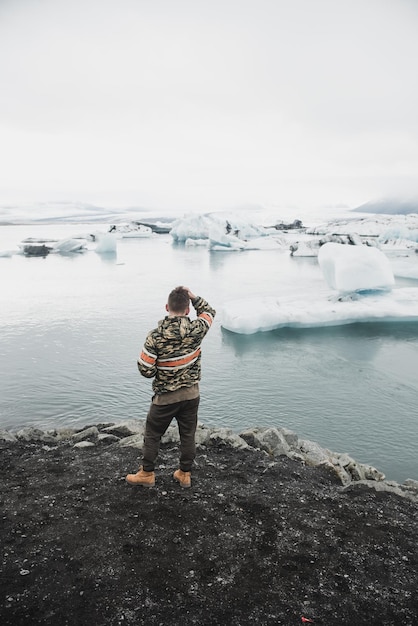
[[208, 103]]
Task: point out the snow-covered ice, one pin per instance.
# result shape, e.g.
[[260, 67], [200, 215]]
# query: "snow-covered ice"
[[385, 227], [259, 314], [214, 225], [68, 246], [353, 268], [131, 230], [362, 277]]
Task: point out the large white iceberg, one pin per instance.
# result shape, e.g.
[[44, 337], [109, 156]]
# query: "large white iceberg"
[[201, 227], [353, 268], [268, 313], [362, 277]]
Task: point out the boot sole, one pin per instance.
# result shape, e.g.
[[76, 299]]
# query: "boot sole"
[[181, 485], [140, 484]]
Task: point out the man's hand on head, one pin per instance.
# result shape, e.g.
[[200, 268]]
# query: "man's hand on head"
[[189, 293]]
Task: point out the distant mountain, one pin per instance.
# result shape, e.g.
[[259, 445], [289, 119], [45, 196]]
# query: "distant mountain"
[[66, 212], [389, 206]]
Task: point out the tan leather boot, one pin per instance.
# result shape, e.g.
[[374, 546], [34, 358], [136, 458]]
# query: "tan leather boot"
[[142, 478], [184, 478]]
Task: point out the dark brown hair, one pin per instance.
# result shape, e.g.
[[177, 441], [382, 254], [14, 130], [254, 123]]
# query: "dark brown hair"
[[178, 300]]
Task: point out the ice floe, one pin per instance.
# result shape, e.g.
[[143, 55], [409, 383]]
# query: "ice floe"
[[259, 314], [131, 230], [360, 280]]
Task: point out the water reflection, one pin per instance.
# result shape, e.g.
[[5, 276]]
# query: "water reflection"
[[358, 341]]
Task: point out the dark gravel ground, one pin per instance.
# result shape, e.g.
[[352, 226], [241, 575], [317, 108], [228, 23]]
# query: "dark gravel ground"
[[252, 542]]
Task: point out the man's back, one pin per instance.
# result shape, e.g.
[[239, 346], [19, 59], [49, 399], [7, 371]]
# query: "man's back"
[[172, 351]]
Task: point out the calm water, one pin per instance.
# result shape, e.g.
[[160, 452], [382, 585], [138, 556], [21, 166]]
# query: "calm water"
[[72, 327]]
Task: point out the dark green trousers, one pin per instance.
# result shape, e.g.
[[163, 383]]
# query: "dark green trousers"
[[159, 419]]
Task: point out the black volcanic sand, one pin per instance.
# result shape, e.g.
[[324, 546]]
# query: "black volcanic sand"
[[252, 542]]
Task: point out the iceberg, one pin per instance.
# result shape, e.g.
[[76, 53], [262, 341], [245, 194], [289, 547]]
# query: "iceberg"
[[310, 247], [106, 243], [383, 227], [200, 227], [68, 246], [362, 278], [269, 313], [353, 268], [131, 230], [220, 241]]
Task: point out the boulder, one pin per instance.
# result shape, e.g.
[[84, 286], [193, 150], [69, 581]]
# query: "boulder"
[[133, 441], [126, 428], [313, 453], [88, 434], [171, 435], [226, 437], [271, 440], [202, 435], [6, 436], [107, 439], [84, 444], [34, 434]]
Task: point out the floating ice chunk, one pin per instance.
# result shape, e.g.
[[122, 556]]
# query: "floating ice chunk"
[[200, 226], [354, 268], [132, 230], [68, 246], [191, 227], [268, 313], [405, 226], [310, 247], [220, 240], [106, 243]]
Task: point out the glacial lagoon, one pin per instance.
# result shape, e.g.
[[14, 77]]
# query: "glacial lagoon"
[[72, 327]]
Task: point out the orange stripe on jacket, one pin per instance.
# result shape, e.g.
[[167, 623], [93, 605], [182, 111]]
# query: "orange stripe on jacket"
[[169, 364], [147, 359], [206, 317]]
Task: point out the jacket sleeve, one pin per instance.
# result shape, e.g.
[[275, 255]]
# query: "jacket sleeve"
[[205, 316], [147, 360]]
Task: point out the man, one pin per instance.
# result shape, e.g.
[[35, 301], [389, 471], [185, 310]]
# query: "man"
[[171, 355]]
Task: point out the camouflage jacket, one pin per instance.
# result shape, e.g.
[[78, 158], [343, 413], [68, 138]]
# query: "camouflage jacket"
[[171, 353]]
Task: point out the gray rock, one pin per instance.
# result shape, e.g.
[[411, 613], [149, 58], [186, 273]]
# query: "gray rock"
[[202, 435], [63, 433], [357, 471], [34, 434], [291, 438], [226, 437], [126, 428], [339, 471], [273, 442], [171, 435], [84, 444], [251, 436], [313, 453], [107, 439], [133, 441], [88, 434], [6, 436], [387, 486], [411, 484]]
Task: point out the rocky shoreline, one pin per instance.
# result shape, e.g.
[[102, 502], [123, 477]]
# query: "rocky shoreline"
[[274, 442], [275, 530]]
